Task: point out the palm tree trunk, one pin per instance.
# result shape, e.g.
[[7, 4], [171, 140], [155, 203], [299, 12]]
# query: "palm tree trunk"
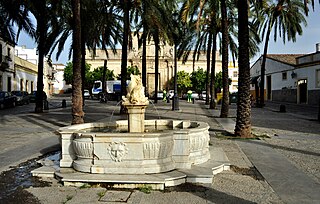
[[104, 72], [42, 36], [124, 56], [243, 121], [263, 68], [144, 61], [156, 66], [213, 71], [83, 63], [225, 78], [77, 111], [208, 68]]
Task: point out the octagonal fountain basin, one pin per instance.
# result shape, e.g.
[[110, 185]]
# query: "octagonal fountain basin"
[[108, 148]]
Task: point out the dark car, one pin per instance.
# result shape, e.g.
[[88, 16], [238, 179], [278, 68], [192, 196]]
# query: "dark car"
[[33, 96], [7, 99], [23, 97]]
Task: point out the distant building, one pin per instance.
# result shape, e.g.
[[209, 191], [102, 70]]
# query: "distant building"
[[166, 62], [291, 78], [59, 84]]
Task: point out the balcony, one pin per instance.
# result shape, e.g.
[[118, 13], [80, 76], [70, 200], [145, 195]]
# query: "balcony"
[[4, 63]]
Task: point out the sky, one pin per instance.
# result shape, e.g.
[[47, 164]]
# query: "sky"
[[304, 44]]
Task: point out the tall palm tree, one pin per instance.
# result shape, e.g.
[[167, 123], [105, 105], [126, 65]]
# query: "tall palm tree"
[[46, 13], [225, 78], [126, 24], [243, 120], [77, 101], [286, 18]]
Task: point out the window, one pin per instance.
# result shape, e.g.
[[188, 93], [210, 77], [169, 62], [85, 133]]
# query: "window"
[[27, 85], [1, 83], [21, 84], [9, 84], [31, 87], [235, 74], [318, 78], [284, 75], [0, 52]]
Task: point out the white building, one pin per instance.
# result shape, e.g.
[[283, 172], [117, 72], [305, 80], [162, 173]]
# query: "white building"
[[59, 84], [291, 78], [6, 65], [26, 75], [31, 55]]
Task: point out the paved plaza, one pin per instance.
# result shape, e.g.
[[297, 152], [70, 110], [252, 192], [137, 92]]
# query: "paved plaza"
[[282, 167]]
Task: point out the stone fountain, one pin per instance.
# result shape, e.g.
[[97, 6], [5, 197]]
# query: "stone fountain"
[[110, 151]]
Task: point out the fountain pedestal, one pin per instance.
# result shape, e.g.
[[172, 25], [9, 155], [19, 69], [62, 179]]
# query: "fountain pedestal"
[[136, 117]]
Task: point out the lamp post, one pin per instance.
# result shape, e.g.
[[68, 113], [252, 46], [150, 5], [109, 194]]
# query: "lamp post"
[[175, 102]]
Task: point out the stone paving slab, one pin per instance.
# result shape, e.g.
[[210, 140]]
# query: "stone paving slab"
[[292, 185]]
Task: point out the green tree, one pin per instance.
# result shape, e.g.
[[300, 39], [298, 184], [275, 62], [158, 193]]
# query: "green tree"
[[198, 79], [286, 18], [183, 82], [130, 70], [97, 74], [90, 77]]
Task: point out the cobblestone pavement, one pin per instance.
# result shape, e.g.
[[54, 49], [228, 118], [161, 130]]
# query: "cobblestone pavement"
[[293, 134]]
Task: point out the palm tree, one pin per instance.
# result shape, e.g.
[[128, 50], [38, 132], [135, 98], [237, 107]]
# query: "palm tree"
[[77, 111], [243, 120], [225, 78], [124, 57], [285, 17], [14, 12], [46, 13]]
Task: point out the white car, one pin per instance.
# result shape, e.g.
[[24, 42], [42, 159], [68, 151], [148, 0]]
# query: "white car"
[[86, 93]]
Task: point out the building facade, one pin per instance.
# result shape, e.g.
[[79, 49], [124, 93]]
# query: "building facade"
[[59, 84], [293, 78], [7, 72], [166, 63], [31, 55]]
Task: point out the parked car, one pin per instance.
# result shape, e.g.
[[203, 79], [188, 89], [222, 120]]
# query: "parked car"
[[32, 97], [7, 99], [86, 93], [171, 94], [23, 97], [194, 95]]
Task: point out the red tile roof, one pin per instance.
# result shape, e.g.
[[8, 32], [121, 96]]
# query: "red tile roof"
[[285, 58]]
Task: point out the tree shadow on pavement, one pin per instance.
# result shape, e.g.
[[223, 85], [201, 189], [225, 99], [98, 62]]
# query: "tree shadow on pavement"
[[209, 194], [282, 147]]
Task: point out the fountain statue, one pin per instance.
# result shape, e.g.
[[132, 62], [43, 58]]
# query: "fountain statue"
[[135, 102], [136, 145]]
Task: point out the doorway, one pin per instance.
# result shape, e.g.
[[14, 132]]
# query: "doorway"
[[269, 88], [302, 91]]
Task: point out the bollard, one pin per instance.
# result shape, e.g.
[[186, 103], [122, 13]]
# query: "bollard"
[[282, 108], [168, 99], [193, 100], [319, 110], [45, 105], [64, 103]]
